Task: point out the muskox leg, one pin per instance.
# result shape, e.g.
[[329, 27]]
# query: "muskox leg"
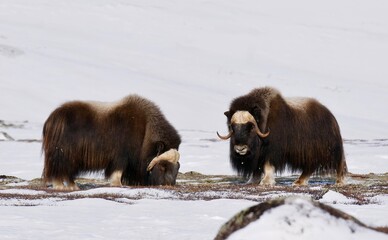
[[115, 178], [303, 179], [341, 172], [269, 171]]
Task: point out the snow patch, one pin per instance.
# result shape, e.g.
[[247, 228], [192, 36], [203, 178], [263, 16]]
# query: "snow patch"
[[127, 193], [380, 199], [333, 197], [22, 192], [29, 202]]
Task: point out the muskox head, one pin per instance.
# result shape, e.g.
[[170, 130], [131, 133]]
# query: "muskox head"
[[163, 169], [243, 130], [245, 139]]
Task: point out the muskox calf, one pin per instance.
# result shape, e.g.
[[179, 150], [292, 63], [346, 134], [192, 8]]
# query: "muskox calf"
[[130, 139], [270, 133]]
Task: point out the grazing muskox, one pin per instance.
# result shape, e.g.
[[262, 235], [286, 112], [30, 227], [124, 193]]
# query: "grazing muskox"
[[130, 139], [270, 133]]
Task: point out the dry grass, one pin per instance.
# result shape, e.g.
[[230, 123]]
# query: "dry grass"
[[196, 186]]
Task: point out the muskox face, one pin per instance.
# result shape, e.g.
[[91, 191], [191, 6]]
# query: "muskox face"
[[163, 173], [243, 131], [245, 138]]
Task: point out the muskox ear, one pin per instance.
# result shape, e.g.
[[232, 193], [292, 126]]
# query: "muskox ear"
[[227, 114]]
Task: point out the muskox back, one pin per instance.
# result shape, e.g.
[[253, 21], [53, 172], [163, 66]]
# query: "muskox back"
[[123, 136]]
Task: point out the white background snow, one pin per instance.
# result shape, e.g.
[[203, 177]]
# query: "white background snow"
[[192, 58]]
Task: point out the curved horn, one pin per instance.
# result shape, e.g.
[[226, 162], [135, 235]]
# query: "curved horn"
[[225, 137], [171, 155], [262, 135], [257, 129]]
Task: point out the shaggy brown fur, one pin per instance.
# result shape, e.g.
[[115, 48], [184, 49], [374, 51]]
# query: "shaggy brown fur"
[[125, 136], [304, 136]]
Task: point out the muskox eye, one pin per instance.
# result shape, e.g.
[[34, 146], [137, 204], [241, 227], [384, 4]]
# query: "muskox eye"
[[250, 126]]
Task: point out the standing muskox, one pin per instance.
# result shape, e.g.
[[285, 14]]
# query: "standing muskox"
[[270, 133], [130, 139]]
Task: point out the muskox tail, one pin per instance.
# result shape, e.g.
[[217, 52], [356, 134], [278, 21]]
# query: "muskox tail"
[[53, 130], [336, 164], [342, 170]]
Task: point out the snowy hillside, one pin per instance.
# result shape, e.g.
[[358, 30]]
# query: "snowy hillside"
[[191, 58]]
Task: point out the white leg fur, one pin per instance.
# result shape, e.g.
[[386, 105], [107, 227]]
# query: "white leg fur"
[[115, 179], [58, 184], [269, 171]]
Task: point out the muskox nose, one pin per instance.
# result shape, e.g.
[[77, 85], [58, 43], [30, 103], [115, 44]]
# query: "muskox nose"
[[241, 149]]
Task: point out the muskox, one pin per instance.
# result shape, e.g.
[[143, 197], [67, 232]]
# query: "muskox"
[[269, 133], [130, 140]]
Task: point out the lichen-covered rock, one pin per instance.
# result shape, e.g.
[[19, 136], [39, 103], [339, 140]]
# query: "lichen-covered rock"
[[295, 218]]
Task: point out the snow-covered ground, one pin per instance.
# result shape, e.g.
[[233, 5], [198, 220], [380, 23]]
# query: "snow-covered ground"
[[191, 58]]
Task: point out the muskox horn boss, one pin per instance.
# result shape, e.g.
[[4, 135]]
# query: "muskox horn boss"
[[243, 117], [171, 155]]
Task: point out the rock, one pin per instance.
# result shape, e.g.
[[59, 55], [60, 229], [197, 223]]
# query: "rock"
[[295, 218]]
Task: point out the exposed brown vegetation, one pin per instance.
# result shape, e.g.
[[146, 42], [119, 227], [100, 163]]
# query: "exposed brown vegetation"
[[195, 186]]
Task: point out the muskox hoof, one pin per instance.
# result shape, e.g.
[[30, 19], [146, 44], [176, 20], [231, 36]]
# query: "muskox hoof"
[[340, 183], [267, 182], [59, 185], [253, 180], [300, 183], [72, 187], [119, 185]]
